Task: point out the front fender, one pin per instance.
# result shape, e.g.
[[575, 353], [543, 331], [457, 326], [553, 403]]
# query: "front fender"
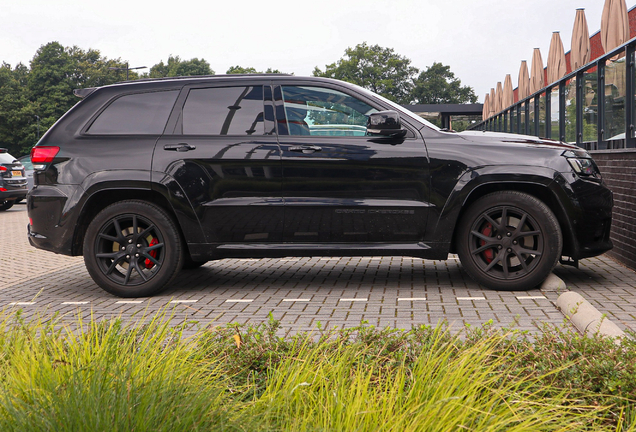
[[480, 181]]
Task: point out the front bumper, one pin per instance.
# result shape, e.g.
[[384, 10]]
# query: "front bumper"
[[590, 216]]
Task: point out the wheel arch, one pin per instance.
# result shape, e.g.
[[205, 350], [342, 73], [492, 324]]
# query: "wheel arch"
[[541, 191], [106, 195]]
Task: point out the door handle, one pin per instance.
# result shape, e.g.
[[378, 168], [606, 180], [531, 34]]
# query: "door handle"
[[181, 147], [305, 149]]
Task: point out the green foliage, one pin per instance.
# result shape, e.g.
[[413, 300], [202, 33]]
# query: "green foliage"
[[378, 69], [45, 90], [148, 376], [438, 85], [241, 70], [250, 70], [177, 67], [18, 127]]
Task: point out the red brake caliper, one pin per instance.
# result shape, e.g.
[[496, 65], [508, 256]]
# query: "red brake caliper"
[[153, 253], [488, 253]]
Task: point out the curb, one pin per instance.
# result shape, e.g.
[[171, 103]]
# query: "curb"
[[553, 283], [585, 317]]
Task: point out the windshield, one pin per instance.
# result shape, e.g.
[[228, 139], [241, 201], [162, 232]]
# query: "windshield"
[[400, 109]]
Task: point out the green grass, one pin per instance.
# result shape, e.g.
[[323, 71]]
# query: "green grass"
[[104, 376]]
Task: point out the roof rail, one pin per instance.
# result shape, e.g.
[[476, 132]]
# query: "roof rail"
[[182, 77]]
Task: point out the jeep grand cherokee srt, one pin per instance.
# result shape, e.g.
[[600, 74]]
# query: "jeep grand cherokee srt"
[[145, 178]]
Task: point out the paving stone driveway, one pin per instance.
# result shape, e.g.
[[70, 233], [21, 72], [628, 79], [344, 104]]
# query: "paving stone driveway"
[[398, 292]]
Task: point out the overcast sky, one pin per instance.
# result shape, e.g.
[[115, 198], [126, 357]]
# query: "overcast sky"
[[481, 40]]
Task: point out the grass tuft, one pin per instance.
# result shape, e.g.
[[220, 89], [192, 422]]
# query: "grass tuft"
[[147, 376]]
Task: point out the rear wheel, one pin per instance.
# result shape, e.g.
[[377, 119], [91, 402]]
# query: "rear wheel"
[[6, 205], [132, 249], [509, 240]]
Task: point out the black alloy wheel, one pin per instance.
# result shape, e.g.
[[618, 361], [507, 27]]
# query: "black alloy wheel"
[[132, 249], [509, 240]]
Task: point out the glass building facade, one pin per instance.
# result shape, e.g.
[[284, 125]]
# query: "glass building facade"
[[592, 107]]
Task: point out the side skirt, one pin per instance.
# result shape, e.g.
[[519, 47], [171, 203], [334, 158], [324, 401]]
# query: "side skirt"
[[280, 250]]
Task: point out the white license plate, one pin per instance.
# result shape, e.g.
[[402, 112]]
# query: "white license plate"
[[16, 173]]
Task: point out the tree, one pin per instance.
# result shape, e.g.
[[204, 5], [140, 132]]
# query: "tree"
[[249, 70], [18, 121], [241, 70], [56, 71], [438, 85], [177, 67], [378, 69]]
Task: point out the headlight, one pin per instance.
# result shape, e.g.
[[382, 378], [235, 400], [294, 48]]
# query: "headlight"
[[582, 163]]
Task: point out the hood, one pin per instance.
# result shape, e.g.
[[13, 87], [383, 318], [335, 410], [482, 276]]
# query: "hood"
[[491, 138]]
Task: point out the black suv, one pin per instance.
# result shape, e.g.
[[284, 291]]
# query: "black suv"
[[13, 182], [148, 177]]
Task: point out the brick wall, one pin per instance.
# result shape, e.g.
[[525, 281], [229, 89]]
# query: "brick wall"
[[618, 168]]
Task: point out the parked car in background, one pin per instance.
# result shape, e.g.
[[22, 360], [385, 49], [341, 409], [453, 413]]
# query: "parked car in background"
[[13, 182], [148, 177], [28, 172]]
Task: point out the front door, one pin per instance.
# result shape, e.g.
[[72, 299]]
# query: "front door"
[[340, 185]]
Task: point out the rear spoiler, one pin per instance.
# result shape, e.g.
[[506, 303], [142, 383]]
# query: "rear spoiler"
[[82, 93]]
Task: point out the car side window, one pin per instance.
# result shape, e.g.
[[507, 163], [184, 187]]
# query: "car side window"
[[224, 111], [323, 111], [135, 114]]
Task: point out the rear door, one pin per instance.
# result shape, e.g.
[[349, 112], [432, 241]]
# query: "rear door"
[[340, 185], [223, 157]]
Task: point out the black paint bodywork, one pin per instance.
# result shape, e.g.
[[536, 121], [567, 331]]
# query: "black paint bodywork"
[[275, 195]]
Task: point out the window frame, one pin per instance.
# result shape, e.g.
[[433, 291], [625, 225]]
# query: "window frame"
[[175, 123], [186, 93], [279, 108], [89, 124]]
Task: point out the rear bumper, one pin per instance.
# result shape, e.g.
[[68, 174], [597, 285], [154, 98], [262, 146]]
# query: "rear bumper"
[[53, 223], [12, 194]]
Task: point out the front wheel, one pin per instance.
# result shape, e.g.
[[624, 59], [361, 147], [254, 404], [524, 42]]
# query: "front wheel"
[[509, 240], [132, 249]]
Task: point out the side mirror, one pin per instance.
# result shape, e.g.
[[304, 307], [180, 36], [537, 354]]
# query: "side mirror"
[[386, 124]]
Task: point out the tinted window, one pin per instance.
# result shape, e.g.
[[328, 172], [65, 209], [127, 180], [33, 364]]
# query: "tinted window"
[[140, 113], [323, 111], [224, 111], [26, 161]]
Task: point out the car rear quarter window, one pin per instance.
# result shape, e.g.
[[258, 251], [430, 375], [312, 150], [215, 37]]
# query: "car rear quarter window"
[[135, 114], [224, 111]]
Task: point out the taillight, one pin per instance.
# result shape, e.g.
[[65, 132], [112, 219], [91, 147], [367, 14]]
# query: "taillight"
[[42, 155], [3, 169]]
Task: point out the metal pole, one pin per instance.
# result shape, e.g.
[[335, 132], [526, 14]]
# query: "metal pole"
[[38, 128]]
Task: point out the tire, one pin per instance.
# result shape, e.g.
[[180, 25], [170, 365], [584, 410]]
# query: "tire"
[[509, 240], [6, 205], [133, 249]]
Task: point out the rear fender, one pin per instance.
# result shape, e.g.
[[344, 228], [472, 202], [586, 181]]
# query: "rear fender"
[[106, 187]]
